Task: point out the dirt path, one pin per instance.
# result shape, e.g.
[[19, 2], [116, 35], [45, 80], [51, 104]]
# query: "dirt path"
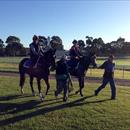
[[121, 82]]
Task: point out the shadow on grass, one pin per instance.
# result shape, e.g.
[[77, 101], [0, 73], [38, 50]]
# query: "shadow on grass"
[[42, 111], [11, 97], [13, 108]]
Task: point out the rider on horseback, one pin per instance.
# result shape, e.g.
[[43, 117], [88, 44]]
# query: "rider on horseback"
[[37, 48], [34, 50], [75, 54]]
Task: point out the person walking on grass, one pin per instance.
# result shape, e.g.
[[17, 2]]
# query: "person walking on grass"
[[62, 78], [108, 76]]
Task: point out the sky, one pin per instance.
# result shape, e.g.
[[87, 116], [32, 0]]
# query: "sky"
[[69, 19]]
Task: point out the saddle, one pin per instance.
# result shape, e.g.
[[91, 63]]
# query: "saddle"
[[29, 64], [72, 67]]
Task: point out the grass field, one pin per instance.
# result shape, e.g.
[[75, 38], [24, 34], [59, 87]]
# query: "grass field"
[[119, 74], [11, 64], [79, 113]]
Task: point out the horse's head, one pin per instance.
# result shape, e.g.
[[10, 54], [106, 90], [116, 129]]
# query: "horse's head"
[[49, 58], [92, 58], [85, 61]]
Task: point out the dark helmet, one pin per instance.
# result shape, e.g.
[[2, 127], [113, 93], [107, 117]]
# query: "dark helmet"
[[75, 41], [35, 37], [111, 56]]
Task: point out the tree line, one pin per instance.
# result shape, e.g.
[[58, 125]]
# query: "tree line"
[[118, 47], [13, 46]]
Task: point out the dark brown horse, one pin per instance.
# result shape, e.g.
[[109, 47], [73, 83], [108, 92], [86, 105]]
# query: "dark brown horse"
[[40, 72], [82, 68]]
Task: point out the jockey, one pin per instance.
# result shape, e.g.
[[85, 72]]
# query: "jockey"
[[34, 50], [75, 54], [75, 50]]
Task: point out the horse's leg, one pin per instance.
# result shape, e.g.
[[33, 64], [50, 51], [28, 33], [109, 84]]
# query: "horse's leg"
[[81, 84], [22, 80], [39, 89], [31, 85], [47, 84]]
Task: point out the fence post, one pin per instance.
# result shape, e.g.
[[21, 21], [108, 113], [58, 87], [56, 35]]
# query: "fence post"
[[123, 72], [90, 71]]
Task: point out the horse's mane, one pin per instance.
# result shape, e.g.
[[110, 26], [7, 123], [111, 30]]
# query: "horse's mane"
[[46, 59]]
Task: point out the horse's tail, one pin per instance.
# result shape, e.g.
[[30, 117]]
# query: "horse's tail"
[[22, 72]]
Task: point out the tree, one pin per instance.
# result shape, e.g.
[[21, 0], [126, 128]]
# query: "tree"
[[12, 39], [1, 44], [56, 43], [126, 48], [15, 49], [100, 43], [2, 48], [81, 43], [120, 41], [89, 41]]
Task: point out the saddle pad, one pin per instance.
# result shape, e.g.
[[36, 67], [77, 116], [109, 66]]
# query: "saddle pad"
[[27, 63]]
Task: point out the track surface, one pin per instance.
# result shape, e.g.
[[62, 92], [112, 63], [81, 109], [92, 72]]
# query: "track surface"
[[121, 82]]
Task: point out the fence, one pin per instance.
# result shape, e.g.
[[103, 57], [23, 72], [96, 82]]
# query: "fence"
[[121, 72]]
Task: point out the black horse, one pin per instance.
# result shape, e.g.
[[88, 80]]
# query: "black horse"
[[81, 69], [42, 71]]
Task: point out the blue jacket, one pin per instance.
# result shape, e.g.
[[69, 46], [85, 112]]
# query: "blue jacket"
[[109, 69], [34, 50]]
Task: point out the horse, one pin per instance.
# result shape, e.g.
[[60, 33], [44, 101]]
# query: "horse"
[[42, 71], [81, 70]]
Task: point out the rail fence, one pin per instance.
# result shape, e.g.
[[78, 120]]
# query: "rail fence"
[[121, 72]]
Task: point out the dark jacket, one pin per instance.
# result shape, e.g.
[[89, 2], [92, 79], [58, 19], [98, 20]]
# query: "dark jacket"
[[34, 50], [74, 52], [109, 69], [62, 70]]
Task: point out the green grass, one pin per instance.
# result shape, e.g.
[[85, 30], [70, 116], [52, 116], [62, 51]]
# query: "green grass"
[[9, 63], [120, 63], [119, 74], [82, 113]]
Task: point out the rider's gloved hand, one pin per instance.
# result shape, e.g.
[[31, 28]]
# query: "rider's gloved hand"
[[77, 57]]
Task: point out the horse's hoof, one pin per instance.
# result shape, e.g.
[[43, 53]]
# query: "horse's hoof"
[[81, 95], [77, 92], [33, 94], [22, 92], [47, 91], [64, 99], [70, 90], [42, 99]]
